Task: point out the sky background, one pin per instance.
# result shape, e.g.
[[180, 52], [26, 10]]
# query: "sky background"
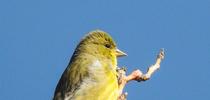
[[37, 39]]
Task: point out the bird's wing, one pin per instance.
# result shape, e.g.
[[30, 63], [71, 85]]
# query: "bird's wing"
[[75, 73]]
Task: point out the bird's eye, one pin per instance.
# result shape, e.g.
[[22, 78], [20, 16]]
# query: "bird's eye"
[[108, 46]]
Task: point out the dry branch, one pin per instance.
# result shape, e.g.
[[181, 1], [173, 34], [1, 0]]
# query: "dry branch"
[[137, 75]]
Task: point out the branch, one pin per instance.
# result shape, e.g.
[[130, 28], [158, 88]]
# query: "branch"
[[153, 68], [137, 75]]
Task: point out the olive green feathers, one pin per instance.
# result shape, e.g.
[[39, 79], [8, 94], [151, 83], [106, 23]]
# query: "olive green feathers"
[[91, 73]]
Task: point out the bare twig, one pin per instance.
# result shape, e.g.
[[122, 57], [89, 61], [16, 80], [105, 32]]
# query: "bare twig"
[[137, 75], [154, 67]]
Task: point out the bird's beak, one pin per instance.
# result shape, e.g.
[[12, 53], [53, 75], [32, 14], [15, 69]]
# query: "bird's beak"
[[120, 53]]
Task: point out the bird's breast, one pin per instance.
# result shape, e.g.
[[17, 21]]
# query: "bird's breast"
[[101, 84]]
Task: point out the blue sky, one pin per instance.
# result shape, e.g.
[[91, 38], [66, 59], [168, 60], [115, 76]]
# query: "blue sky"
[[37, 39]]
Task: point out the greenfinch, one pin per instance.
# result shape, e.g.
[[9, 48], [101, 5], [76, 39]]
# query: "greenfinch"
[[91, 73]]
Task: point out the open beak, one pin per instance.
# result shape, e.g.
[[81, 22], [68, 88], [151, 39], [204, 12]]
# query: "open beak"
[[120, 53]]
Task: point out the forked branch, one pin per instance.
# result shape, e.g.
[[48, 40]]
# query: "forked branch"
[[137, 75]]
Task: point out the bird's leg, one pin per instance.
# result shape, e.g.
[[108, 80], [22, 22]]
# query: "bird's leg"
[[136, 75]]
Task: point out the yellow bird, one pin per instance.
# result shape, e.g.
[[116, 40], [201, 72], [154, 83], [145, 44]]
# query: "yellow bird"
[[91, 73]]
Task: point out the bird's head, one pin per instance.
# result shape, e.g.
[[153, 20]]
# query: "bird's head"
[[100, 44]]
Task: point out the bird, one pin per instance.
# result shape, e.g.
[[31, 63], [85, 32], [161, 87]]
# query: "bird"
[[91, 73]]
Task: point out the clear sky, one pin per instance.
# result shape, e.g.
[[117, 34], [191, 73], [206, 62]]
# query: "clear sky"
[[37, 39]]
